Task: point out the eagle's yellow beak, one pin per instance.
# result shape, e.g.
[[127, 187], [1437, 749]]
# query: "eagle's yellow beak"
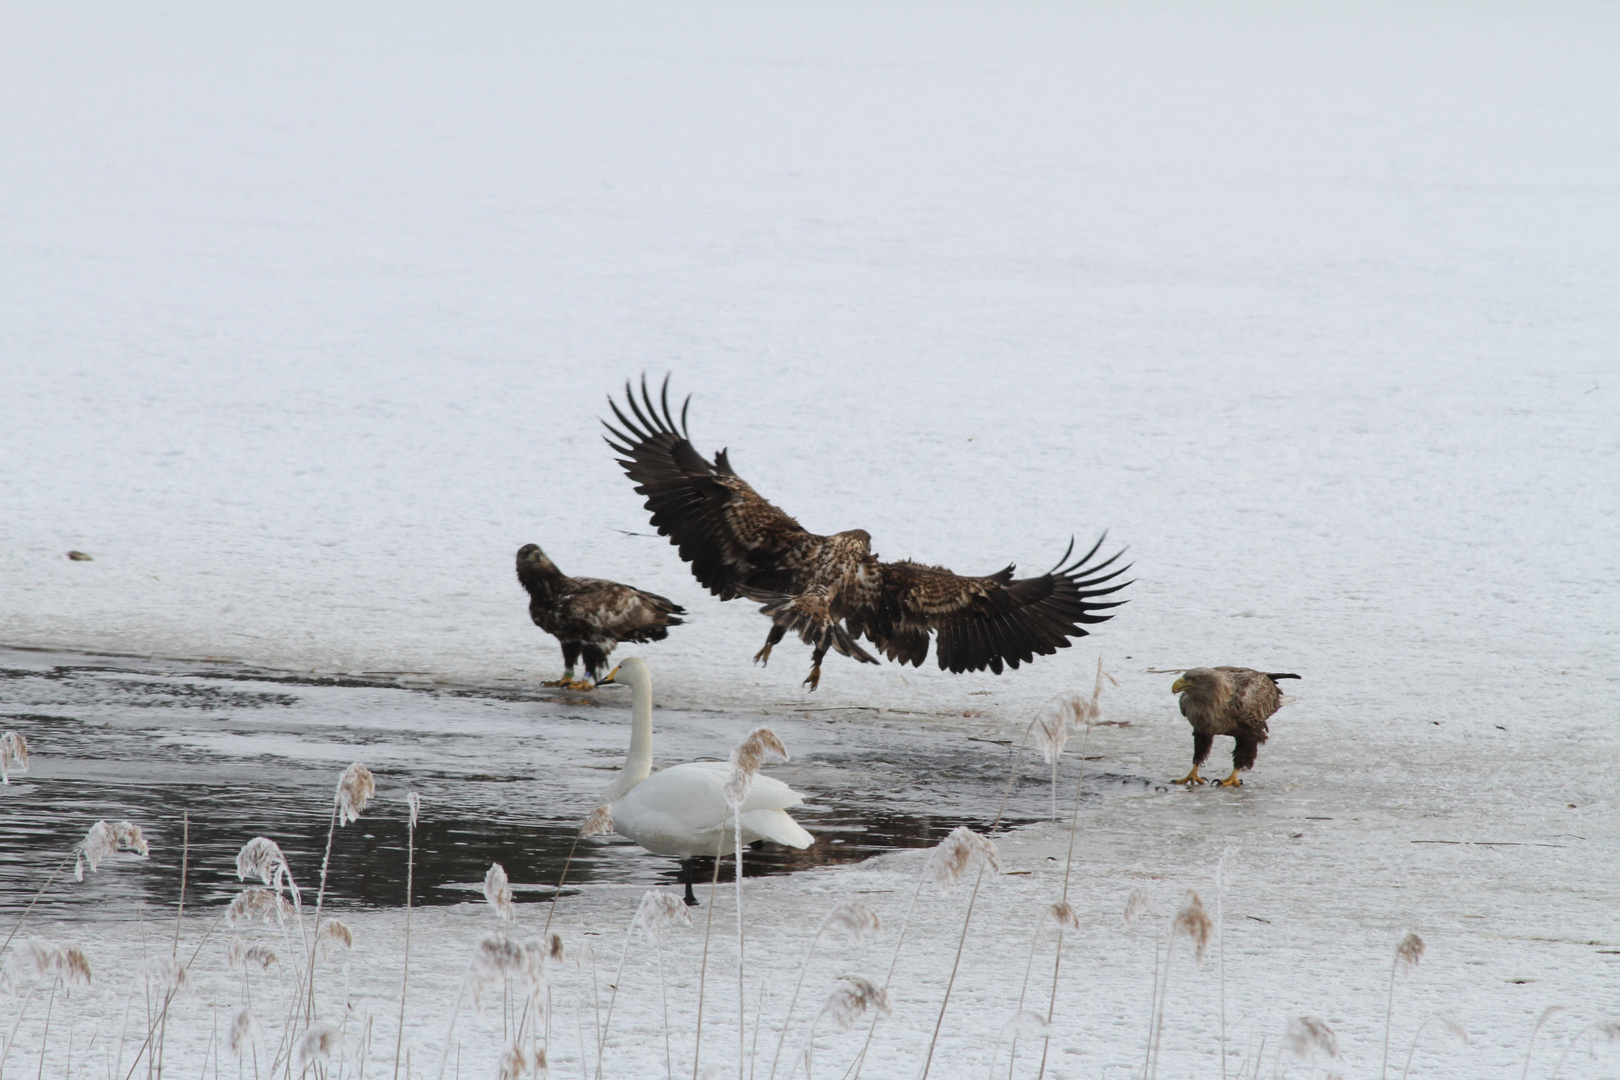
[[609, 678], [1175, 688]]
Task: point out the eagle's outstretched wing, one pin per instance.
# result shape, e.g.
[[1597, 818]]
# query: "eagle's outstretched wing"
[[985, 622], [737, 543]]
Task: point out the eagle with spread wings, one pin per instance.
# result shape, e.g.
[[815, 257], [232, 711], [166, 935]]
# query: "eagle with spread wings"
[[831, 590]]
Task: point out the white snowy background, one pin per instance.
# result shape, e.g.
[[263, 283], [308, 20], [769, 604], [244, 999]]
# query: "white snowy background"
[[307, 314]]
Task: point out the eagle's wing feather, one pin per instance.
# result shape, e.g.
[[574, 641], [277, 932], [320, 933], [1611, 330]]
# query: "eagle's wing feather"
[[737, 543], [985, 622], [592, 609]]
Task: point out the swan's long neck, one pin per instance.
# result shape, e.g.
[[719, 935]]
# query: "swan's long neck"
[[638, 762]]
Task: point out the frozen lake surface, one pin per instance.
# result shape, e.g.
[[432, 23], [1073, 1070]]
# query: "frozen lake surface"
[[307, 316]]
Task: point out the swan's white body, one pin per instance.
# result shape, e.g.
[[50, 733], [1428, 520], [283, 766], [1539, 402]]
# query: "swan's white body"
[[681, 811]]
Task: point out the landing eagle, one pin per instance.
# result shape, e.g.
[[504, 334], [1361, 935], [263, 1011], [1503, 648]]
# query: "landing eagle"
[[831, 590]]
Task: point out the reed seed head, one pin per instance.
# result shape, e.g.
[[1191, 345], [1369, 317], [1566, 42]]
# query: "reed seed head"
[[1409, 953], [256, 903], [498, 891], [315, 1045], [1308, 1035], [1026, 1022], [950, 859], [599, 821], [1228, 864], [514, 1063], [554, 947], [760, 746], [355, 788], [1061, 915], [1195, 922], [335, 933], [102, 840], [171, 976], [414, 801], [498, 957], [243, 956], [1135, 904], [246, 1032], [261, 857], [657, 910], [37, 958], [851, 919], [1049, 731], [13, 751], [850, 1000]]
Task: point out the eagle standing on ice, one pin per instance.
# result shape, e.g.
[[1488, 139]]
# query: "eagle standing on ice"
[[1235, 701], [831, 590], [589, 615]]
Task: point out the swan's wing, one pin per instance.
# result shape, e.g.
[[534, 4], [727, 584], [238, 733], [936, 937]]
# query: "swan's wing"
[[765, 793], [775, 825]]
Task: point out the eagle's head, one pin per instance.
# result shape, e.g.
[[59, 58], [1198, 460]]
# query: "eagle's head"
[[532, 565], [1198, 678]]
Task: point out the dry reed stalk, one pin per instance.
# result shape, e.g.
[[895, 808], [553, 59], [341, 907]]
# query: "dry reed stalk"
[[852, 998], [1309, 1035], [1450, 1025], [656, 911], [1088, 714], [13, 751], [1408, 954], [703, 966], [1546, 1014], [949, 862], [175, 978], [853, 919], [1223, 877], [414, 802], [1062, 915], [1609, 1029], [1193, 921], [354, 789], [760, 746], [179, 915]]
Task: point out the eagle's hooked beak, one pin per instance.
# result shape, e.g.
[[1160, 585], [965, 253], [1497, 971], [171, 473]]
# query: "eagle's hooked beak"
[[609, 678], [1175, 688]]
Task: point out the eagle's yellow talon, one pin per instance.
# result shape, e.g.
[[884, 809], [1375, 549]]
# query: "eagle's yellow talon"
[[1230, 781], [556, 682], [813, 679], [1191, 778], [764, 655], [580, 684]]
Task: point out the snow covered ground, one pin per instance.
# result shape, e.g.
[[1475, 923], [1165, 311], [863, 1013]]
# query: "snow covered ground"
[[307, 314]]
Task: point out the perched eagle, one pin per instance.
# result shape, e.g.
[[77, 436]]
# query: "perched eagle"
[[589, 614], [1235, 701], [831, 590]]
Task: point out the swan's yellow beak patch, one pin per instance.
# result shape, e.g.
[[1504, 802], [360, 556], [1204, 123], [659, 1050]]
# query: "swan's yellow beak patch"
[[610, 675]]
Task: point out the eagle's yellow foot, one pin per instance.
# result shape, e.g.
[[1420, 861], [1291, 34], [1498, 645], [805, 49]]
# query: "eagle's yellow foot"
[[764, 655], [1191, 778], [580, 684], [1230, 781], [558, 682], [813, 679]]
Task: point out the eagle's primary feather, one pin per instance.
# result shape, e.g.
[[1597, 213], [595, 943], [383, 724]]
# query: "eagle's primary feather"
[[590, 615], [831, 590]]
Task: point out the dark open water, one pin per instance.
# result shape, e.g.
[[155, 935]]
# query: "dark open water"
[[505, 776]]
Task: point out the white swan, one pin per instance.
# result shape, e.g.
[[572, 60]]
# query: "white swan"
[[681, 811]]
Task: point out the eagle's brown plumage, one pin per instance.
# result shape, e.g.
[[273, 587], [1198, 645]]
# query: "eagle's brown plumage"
[[1235, 701], [590, 615], [831, 590]]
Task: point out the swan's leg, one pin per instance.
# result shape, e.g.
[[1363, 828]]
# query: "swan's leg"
[[570, 658], [764, 655], [686, 878]]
